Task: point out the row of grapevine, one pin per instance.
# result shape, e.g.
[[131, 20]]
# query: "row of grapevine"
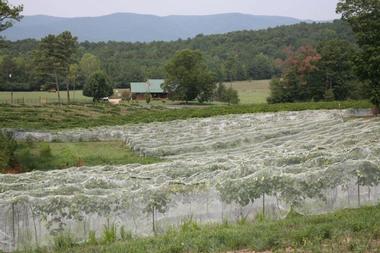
[[225, 167]]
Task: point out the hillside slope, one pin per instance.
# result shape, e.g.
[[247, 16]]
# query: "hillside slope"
[[240, 55], [137, 27]]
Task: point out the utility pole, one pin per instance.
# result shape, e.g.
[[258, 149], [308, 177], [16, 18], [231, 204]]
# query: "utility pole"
[[10, 81]]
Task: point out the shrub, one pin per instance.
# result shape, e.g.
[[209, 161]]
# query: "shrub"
[[109, 234], [148, 97], [8, 146], [126, 95], [226, 95], [63, 241], [92, 238], [45, 151], [29, 141], [26, 160], [98, 86]]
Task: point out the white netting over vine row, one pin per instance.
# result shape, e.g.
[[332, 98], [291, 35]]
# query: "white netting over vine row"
[[214, 169]]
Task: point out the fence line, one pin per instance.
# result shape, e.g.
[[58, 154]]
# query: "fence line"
[[39, 101]]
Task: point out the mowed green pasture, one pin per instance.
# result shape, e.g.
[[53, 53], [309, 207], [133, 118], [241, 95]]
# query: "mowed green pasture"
[[41, 97], [61, 155], [69, 154], [252, 92]]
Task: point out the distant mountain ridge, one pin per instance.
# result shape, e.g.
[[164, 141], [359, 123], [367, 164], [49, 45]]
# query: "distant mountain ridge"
[[139, 27]]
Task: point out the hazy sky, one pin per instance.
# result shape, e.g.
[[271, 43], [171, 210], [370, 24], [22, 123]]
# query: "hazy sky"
[[304, 9]]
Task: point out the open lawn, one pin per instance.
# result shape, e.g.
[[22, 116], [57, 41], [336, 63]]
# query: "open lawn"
[[252, 92], [50, 156], [41, 97], [95, 153], [344, 231]]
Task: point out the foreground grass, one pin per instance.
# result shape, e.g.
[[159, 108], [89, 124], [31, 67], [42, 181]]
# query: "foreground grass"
[[56, 117], [344, 231], [95, 153], [52, 156]]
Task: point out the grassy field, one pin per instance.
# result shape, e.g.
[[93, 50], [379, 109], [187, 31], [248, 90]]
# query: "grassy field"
[[252, 92], [94, 153], [92, 115], [344, 231], [41, 97], [52, 156]]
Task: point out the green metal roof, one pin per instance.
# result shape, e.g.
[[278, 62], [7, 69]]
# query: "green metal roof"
[[139, 87], [151, 86]]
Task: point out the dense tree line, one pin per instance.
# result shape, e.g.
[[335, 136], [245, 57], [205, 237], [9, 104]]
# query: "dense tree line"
[[323, 73], [234, 56], [364, 17], [336, 69]]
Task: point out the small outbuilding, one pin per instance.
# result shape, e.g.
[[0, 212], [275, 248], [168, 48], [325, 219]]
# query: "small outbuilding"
[[152, 87]]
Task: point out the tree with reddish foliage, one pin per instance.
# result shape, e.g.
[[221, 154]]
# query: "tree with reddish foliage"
[[302, 61], [293, 85]]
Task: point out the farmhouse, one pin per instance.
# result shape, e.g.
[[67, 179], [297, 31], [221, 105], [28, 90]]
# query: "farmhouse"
[[152, 86]]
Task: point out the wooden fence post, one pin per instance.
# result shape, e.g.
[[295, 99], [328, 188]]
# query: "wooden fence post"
[[263, 205], [13, 225]]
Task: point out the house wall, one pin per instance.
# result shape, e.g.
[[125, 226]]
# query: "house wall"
[[141, 96]]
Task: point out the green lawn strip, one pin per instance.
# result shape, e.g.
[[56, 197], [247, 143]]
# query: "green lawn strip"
[[50, 156], [343, 231], [65, 117]]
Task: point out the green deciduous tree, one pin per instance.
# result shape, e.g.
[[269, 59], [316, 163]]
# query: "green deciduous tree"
[[335, 71], [188, 77], [89, 64], [15, 73], [8, 70], [97, 86], [294, 84], [261, 67], [226, 95], [364, 17]]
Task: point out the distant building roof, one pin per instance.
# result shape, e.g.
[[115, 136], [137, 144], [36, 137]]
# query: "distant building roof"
[[139, 87], [151, 86]]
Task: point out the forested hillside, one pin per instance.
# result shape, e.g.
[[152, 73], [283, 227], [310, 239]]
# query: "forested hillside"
[[232, 56], [139, 27]]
